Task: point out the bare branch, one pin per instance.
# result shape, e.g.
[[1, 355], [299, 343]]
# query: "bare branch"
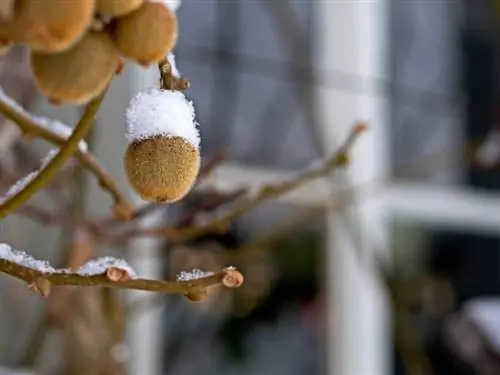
[[115, 277], [31, 128], [66, 151]]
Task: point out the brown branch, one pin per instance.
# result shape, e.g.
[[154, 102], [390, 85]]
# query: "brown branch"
[[31, 128], [267, 192], [41, 282], [263, 243], [63, 154]]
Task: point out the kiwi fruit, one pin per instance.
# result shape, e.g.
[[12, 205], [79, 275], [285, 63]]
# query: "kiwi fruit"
[[116, 8], [79, 74], [50, 25], [147, 34], [162, 169]]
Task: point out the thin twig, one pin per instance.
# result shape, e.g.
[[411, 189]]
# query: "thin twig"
[[65, 152], [168, 81], [31, 128], [266, 193], [42, 281], [263, 243]]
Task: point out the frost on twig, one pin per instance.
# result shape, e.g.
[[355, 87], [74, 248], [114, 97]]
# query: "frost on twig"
[[21, 184], [194, 274], [103, 272], [91, 268], [10, 254], [156, 112], [173, 65], [100, 265], [54, 126]]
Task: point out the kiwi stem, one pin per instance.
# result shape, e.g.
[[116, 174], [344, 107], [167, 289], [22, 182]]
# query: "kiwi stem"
[[168, 81], [65, 152], [31, 128]]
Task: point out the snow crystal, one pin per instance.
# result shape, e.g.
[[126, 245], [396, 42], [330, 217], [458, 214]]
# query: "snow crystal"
[[194, 274], [21, 184], [100, 265], [53, 126], [173, 65], [10, 254], [154, 112], [172, 4], [92, 267]]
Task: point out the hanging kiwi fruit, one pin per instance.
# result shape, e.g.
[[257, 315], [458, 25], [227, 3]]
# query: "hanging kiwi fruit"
[[162, 169], [147, 34], [79, 74], [50, 25]]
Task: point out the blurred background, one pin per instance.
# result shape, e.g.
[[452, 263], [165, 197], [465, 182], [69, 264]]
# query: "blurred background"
[[401, 279]]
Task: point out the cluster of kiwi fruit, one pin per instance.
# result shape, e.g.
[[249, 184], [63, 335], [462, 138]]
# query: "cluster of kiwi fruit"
[[76, 46]]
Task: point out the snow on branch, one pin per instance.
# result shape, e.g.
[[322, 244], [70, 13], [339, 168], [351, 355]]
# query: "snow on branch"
[[53, 126], [21, 184], [57, 134], [173, 65], [44, 176], [106, 272]]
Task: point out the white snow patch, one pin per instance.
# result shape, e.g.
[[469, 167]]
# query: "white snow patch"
[[93, 267], [155, 112], [194, 274], [53, 126], [100, 265], [21, 184], [172, 4], [173, 65], [10, 254]]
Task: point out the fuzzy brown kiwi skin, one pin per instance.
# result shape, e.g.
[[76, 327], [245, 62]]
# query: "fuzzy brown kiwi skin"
[[51, 25], [146, 45], [79, 74], [117, 8], [162, 169]]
